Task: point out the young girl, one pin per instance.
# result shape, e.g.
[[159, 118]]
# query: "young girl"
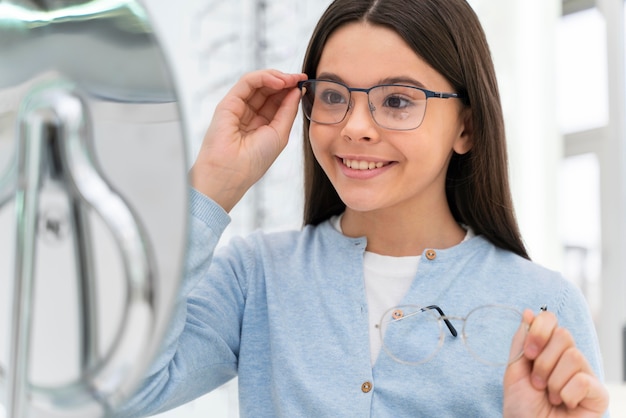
[[408, 221]]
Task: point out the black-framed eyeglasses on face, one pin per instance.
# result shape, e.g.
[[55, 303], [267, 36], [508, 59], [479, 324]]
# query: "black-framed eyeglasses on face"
[[393, 106]]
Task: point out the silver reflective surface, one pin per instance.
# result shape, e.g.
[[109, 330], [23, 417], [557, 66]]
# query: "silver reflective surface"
[[92, 203]]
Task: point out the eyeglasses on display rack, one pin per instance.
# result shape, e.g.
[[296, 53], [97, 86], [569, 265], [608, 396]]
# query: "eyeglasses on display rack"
[[414, 334], [393, 106]]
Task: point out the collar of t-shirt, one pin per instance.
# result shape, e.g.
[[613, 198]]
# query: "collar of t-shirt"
[[387, 280]]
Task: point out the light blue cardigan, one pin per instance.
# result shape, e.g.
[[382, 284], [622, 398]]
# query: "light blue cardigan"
[[287, 313]]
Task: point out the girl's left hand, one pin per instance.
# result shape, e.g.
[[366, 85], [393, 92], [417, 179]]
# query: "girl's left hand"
[[552, 378]]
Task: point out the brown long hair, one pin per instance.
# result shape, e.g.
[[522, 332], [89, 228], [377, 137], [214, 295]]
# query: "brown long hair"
[[447, 34]]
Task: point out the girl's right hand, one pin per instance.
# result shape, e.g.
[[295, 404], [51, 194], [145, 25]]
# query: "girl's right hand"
[[249, 129]]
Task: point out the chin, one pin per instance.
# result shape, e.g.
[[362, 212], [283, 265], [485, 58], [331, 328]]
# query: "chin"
[[360, 205]]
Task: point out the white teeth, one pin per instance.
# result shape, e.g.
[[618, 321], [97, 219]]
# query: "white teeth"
[[362, 165]]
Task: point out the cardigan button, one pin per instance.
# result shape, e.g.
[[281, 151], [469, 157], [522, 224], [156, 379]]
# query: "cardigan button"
[[366, 387], [431, 254]]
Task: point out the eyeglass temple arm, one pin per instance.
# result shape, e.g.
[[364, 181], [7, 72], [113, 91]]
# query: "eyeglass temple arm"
[[443, 316]]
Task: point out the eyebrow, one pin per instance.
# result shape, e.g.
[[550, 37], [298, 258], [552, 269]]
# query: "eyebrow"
[[388, 80]]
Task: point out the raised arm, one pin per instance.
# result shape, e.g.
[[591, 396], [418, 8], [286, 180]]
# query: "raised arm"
[[249, 129]]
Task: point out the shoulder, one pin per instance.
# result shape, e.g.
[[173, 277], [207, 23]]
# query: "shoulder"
[[289, 258], [311, 238], [505, 263], [312, 243], [510, 277], [488, 274]]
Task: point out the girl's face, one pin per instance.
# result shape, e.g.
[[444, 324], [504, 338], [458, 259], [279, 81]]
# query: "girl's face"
[[373, 168]]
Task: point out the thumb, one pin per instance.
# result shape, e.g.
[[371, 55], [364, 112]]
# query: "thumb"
[[519, 366], [286, 114]]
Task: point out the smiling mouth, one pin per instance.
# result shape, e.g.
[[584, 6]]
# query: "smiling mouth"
[[363, 165]]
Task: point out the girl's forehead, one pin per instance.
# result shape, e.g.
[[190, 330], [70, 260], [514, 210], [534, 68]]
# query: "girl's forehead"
[[362, 38], [363, 54]]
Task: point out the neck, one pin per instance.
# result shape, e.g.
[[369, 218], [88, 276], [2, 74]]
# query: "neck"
[[397, 233]]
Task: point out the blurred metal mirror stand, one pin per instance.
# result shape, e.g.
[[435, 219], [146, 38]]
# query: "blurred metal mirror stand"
[[93, 203]]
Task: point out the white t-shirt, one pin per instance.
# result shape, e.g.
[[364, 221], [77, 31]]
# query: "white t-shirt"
[[387, 280]]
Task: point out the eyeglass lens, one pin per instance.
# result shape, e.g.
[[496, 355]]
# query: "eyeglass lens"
[[489, 331], [413, 335], [392, 106]]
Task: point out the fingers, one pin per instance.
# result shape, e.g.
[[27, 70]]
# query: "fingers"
[[269, 80], [252, 118], [254, 89], [586, 391], [546, 345], [262, 98], [520, 366], [285, 115], [249, 129], [568, 365], [559, 367], [539, 333], [517, 343], [271, 83]]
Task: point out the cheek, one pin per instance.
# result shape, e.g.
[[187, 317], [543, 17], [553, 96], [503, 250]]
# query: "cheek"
[[445, 125], [317, 134], [321, 141], [437, 140]]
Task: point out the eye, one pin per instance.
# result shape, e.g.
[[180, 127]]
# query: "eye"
[[332, 97], [397, 102]]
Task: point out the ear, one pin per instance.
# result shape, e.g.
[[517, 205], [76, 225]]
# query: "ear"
[[465, 140]]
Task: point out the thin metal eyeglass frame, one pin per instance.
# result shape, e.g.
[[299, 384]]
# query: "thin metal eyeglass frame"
[[429, 95], [451, 328]]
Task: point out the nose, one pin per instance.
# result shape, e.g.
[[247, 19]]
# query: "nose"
[[359, 123]]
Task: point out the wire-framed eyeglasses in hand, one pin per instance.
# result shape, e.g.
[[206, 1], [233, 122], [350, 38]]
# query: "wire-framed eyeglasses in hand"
[[413, 334], [393, 106]]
